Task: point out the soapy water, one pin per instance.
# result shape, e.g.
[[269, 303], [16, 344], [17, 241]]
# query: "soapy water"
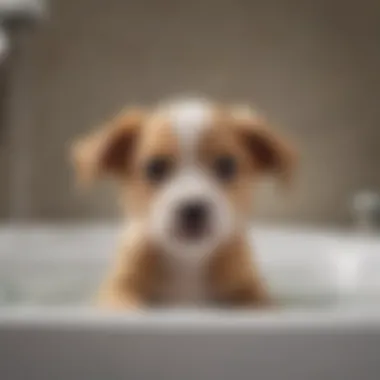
[[66, 268], [52, 289], [79, 290], [54, 283], [76, 282], [64, 295]]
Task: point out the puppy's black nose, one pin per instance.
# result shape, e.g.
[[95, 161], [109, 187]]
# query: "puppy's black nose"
[[194, 212], [193, 217]]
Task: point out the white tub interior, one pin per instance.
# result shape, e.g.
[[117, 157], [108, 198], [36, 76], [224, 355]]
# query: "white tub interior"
[[62, 266]]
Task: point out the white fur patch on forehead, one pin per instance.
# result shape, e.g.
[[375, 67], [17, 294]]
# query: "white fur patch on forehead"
[[189, 118]]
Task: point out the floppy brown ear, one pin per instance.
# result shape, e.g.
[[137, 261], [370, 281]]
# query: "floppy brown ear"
[[272, 154], [107, 150]]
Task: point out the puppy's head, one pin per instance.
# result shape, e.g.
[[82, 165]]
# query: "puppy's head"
[[186, 168]]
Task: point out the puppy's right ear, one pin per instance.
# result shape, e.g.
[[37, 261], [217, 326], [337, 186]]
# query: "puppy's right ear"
[[107, 151]]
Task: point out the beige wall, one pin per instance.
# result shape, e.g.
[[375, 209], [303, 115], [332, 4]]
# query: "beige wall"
[[314, 69]]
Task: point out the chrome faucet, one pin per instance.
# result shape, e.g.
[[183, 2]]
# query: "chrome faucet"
[[16, 15]]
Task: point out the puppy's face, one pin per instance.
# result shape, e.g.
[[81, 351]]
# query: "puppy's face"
[[187, 169]]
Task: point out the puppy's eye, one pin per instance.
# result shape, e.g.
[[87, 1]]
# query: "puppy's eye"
[[225, 168], [158, 169]]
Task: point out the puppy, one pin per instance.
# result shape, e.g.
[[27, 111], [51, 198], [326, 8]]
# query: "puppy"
[[186, 170]]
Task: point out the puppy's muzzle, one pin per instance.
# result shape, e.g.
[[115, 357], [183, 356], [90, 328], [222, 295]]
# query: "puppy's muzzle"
[[193, 219]]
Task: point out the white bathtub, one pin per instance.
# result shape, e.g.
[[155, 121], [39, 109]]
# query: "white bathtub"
[[328, 284]]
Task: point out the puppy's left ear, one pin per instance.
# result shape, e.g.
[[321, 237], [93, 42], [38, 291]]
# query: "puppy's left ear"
[[271, 153], [107, 151]]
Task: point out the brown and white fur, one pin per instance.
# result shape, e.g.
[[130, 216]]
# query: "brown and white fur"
[[160, 262]]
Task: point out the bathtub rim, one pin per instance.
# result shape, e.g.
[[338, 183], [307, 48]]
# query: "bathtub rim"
[[264, 321]]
